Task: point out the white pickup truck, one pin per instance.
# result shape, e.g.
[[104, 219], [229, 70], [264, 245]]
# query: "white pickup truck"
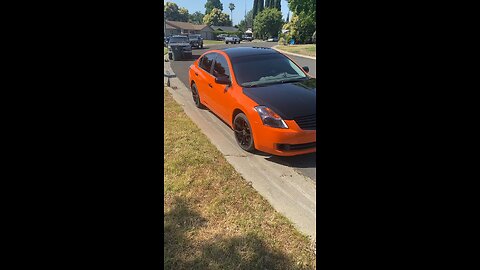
[[232, 39]]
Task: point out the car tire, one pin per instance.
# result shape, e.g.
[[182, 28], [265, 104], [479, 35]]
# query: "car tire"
[[201, 46], [243, 133], [226, 42], [196, 96], [170, 56]]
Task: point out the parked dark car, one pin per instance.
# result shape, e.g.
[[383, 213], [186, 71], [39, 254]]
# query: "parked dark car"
[[179, 47], [196, 41]]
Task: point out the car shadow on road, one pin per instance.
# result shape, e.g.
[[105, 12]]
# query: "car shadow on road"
[[301, 161]]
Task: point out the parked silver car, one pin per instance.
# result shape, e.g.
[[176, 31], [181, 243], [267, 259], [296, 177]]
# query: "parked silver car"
[[232, 39]]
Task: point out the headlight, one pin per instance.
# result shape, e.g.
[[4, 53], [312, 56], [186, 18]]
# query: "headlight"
[[270, 118]]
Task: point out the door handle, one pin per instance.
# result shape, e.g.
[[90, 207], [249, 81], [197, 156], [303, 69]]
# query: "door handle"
[[196, 74], [210, 85]]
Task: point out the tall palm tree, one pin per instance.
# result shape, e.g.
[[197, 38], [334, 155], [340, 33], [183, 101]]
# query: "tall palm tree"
[[231, 6]]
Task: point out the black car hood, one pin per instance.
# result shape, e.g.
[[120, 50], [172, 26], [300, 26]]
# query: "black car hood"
[[289, 100]]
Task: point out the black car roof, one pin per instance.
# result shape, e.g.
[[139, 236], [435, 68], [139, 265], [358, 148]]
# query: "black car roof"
[[244, 51]]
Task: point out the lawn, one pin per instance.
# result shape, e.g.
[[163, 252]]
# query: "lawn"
[[211, 42], [213, 219], [165, 50], [306, 49]]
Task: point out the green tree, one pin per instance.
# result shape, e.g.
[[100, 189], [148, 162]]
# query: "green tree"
[[303, 22], [171, 11], [217, 17], [231, 6], [196, 18], [260, 6], [273, 4], [307, 7], [268, 23], [247, 22], [300, 28], [183, 15], [255, 8], [278, 5], [211, 4]]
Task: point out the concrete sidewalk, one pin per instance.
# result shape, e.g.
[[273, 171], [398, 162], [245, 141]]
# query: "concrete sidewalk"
[[289, 192]]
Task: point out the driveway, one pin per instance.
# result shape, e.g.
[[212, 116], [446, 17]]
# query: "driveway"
[[305, 164]]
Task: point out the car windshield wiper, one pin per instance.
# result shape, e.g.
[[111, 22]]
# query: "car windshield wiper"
[[260, 83], [294, 80]]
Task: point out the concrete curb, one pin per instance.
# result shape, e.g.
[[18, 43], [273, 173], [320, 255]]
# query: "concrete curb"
[[295, 54]]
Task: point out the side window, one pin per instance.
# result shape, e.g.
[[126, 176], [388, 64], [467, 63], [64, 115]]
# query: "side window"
[[206, 61], [221, 67]]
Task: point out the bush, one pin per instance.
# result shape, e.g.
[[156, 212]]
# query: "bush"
[[281, 41]]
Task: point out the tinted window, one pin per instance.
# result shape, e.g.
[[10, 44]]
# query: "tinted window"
[[206, 61], [220, 68], [272, 68]]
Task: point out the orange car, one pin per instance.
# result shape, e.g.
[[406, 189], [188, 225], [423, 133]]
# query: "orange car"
[[266, 98]]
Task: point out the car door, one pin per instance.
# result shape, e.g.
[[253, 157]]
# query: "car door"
[[220, 96], [204, 78]]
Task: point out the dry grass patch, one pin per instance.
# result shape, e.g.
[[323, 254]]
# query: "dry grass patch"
[[213, 219]]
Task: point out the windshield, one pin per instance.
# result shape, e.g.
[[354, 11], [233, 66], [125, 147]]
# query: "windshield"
[[257, 70], [195, 37], [178, 40]]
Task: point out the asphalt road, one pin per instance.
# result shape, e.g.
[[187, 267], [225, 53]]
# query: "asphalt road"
[[305, 164]]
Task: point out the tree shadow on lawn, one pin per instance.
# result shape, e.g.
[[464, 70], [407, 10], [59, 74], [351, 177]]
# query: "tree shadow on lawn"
[[240, 252]]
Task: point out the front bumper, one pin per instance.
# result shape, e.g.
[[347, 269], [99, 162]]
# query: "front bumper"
[[285, 142], [181, 51]]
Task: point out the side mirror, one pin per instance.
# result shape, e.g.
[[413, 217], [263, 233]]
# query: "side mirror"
[[306, 69], [222, 80]]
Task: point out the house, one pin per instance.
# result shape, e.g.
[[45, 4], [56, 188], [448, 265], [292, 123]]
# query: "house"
[[185, 28], [225, 28]]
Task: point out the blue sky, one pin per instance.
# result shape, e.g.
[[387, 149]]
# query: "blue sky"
[[238, 12]]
